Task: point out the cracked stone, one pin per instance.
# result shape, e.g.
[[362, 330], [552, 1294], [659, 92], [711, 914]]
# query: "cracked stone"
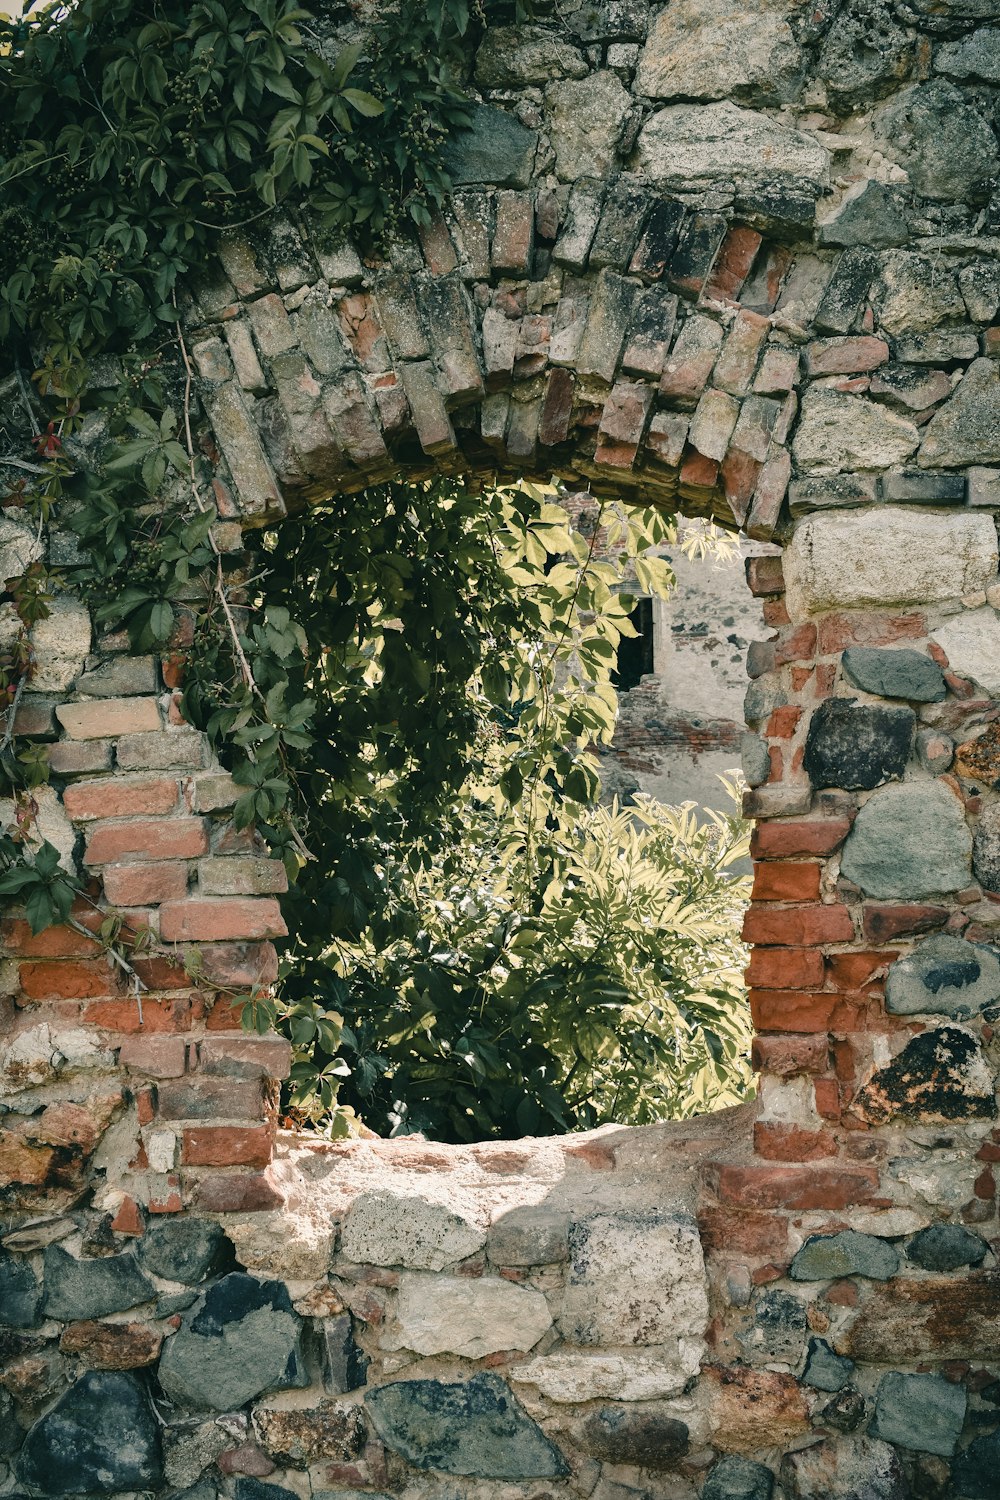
[[825, 1257], [909, 841], [857, 746], [474, 1427], [921, 1412], [941, 1074], [944, 975]]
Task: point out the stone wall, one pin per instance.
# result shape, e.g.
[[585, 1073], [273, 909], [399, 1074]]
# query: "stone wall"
[[737, 260]]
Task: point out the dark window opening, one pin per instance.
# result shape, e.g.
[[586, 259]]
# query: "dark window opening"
[[635, 653]]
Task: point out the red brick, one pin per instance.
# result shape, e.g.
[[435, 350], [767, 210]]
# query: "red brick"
[[733, 263], [221, 917], [68, 980], [783, 722], [806, 1010], [867, 628], [743, 1232], [794, 1187], [128, 1220], [785, 968], [779, 839], [883, 923], [108, 718], [697, 471], [827, 1095], [246, 1056], [225, 1014], [157, 1057], [769, 496], [775, 613], [985, 1185], [778, 1142], [145, 885], [145, 1104], [158, 1016], [796, 645], [147, 840], [17, 939], [852, 971], [778, 373], [846, 356], [240, 1193], [765, 576], [122, 798], [786, 882], [165, 1195], [736, 364], [842, 1294], [789, 1056], [239, 965], [199, 1097], [739, 474], [227, 1146], [162, 973], [557, 408], [24, 1164], [798, 926]]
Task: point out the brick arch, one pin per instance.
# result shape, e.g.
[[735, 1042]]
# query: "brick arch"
[[752, 278]]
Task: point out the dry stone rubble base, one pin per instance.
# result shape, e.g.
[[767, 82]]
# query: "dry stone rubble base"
[[735, 261]]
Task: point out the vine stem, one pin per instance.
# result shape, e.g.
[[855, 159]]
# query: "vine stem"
[[246, 671], [8, 733], [116, 958]]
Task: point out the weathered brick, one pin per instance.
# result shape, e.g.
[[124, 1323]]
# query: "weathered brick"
[[866, 627], [780, 881], [244, 356], [712, 425], [239, 965], [608, 321], [147, 839], [500, 335], [120, 677], [514, 233], [242, 876], [626, 412], [779, 371], [227, 1146], [431, 421], [778, 1142], [786, 968], [109, 718], [79, 979], [691, 361], [119, 797], [667, 436], [752, 434], [795, 1187], [798, 926], [650, 333], [787, 1056], [659, 241], [213, 792], [17, 938], [805, 1010], [76, 757], [145, 884], [237, 436], [557, 408], [780, 840], [698, 244], [732, 1231], [159, 1017], [435, 241], [582, 215], [397, 311], [739, 474], [271, 325], [154, 1056], [246, 1056], [238, 1193], [883, 923], [734, 370], [769, 496], [626, 206], [186, 750], [199, 1098], [846, 356], [219, 918], [739, 250], [765, 575]]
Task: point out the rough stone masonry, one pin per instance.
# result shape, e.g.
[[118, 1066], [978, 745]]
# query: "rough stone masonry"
[[739, 260]]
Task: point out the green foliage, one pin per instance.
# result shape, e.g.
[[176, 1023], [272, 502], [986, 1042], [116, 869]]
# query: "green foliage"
[[45, 890], [131, 134]]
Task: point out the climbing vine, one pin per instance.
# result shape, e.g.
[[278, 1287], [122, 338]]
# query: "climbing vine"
[[131, 136]]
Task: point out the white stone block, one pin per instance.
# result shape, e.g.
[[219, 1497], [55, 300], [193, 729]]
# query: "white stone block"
[[386, 1229], [971, 641], [887, 555], [470, 1316], [635, 1279]]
